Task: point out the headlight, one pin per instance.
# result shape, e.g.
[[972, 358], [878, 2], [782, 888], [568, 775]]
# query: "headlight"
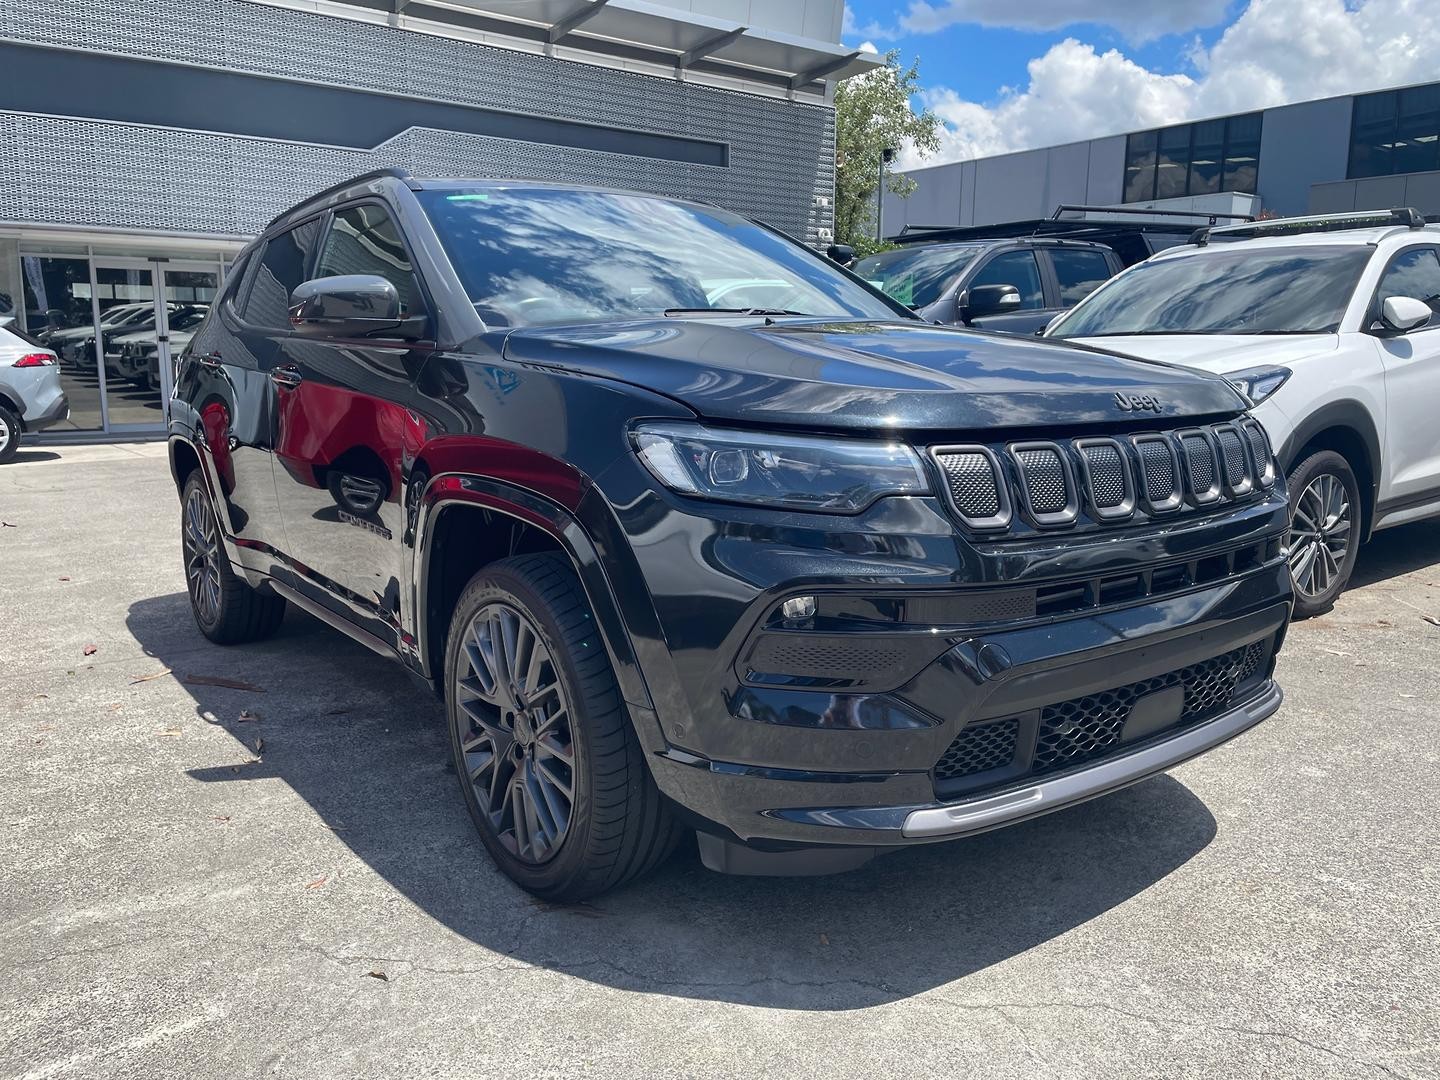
[[795, 472], [1259, 383]]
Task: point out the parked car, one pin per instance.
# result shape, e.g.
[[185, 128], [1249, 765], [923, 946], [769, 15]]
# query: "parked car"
[[1015, 285], [816, 586], [75, 345], [136, 357], [1328, 325], [30, 395]]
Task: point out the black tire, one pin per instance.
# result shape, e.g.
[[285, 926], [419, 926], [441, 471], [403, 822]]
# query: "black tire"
[[619, 826], [1319, 567], [229, 612], [9, 435]]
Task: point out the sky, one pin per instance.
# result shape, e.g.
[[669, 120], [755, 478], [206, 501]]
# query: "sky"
[[1016, 74]]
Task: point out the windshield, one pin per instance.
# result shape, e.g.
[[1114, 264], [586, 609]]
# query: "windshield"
[[536, 256], [917, 276], [1279, 291]]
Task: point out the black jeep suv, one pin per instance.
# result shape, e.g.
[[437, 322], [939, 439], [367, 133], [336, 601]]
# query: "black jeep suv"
[[798, 571]]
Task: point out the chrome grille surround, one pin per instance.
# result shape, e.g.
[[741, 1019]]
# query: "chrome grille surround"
[[1161, 486], [1047, 483], [1235, 468], [1106, 478], [966, 487], [1202, 465]]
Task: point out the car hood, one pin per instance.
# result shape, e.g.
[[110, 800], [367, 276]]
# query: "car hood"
[[1220, 353], [867, 375]]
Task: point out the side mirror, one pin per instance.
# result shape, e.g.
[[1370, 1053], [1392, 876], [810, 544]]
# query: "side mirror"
[[981, 300], [352, 305], [1401, 314], [843, 254]]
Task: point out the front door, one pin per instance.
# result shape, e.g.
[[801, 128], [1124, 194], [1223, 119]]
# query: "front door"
[[1022, 270], [346, 438], [1412, 379]]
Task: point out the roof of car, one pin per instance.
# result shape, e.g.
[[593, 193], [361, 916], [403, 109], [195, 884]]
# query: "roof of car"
[[1347, 238]]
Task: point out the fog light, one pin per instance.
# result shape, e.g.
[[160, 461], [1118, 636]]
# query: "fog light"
[[798, 607]]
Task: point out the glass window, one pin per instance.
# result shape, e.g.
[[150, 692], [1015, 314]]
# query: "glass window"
[[364, 240], [1214, 291], [1417, 133], [1207, 155], [1016, 268], [1372, 135], [1242, 154], [1414, 273], [535, 255], [917, 276], [281, 269], [1173, 163], [1140, 166], [1080, 272], [59, 313]]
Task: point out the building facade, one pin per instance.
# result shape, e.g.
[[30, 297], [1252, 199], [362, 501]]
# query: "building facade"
[[1358, 152], [145, 140]]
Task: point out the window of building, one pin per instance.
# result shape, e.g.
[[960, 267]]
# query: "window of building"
[[1395, 131], [1080, 272], [1194, 159], [364, 240], [281, 269], [1016, 268], [1414, 273]]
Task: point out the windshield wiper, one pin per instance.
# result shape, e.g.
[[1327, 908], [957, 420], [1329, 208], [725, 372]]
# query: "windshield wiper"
[[670, 312]]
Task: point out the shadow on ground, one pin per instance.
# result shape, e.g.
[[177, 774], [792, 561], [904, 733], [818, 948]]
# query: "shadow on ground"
[[1395, 552], [363, 744], [23, 456]]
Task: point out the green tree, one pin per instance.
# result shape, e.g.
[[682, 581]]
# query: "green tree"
[[873, 114]]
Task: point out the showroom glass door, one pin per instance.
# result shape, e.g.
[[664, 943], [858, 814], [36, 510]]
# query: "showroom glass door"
[[129, 320], [187, 290], [59, 312]]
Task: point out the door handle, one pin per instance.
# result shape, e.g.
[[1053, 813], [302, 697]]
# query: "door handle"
[[288, 376], [209, 359]]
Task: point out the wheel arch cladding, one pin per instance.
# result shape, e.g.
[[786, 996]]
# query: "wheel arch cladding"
[[1347, 428], [184, 460]]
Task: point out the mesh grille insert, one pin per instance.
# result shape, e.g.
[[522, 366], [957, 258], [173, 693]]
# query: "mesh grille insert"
[[1161, 483], [1107, 475], [1200, 460], [1260, 450], [978, 748], [1233, 454], [1088, 727], [1045, 478], [971, 479]]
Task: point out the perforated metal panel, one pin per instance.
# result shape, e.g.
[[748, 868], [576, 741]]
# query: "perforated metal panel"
[[83, 172]]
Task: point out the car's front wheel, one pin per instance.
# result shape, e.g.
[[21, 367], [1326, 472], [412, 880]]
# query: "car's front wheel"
[[226, 609], [551, 771], [1324, 530]]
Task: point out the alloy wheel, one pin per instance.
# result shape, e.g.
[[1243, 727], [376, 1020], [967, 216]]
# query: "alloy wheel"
[[202, 557], [1319, 534], [5, 434], [517, 739]]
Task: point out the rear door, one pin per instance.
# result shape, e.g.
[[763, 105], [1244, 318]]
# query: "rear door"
[[1020, 268], [1412, 379], [346, 436], [1079, 271]]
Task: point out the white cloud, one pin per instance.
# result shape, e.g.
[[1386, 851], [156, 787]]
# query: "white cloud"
[[1138, 20], [1278, 51], [867, 47]]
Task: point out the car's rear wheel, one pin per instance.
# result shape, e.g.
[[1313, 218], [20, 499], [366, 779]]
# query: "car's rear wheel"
[[226, 609], [9, 434], [1324, 530], [549, 765]]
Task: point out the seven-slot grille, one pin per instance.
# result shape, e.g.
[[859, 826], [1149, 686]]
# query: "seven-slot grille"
[[1049, 483]]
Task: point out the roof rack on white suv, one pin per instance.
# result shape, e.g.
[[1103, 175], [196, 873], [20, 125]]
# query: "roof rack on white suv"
[[1406, 216]]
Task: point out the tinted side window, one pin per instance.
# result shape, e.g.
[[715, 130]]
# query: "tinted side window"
[[364, 240], [1080, 273], [282, 268], [1016, 268], [1414, 273]]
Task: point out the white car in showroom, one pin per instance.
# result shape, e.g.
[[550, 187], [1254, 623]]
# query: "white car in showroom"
[[1329, 325]]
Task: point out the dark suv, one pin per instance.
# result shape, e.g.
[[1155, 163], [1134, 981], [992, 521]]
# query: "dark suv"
[[1013, 285], [816, 581]]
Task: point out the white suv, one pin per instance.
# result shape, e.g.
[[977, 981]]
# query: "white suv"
[[1327, 324]]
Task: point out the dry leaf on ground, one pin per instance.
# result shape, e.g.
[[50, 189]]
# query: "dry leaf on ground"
[[147, 678]]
